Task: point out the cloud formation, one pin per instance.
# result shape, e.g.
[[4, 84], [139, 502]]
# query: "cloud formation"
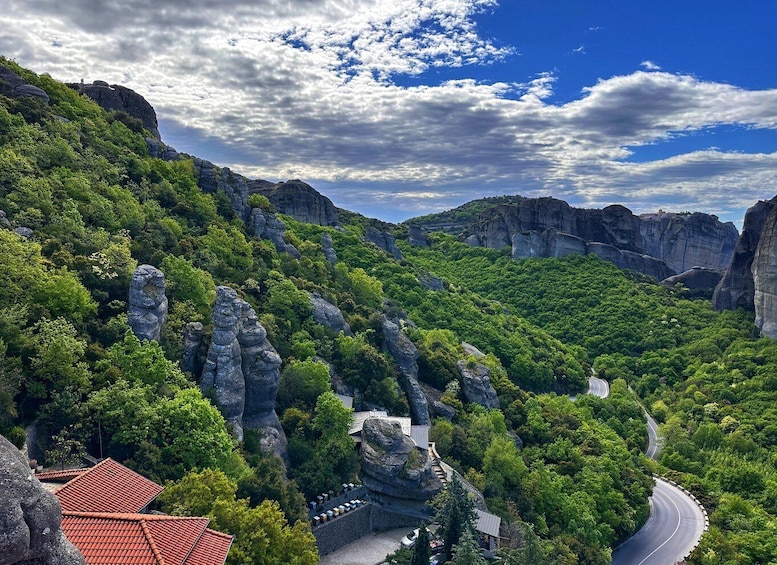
[[337, 93]]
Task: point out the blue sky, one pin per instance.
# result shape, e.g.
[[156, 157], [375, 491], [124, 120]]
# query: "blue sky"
[[404, 107]]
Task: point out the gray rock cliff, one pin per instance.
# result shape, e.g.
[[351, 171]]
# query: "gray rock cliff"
[[30, 516], [476, 384], [697, 278], [147, 307], [192, 341], [327, 247], [383, 240], [737, 289], [298, 200], [242, 370], [416, 236], [765, 277], [14, 86], [656, 244], [405, 355], [393, 465], [115, 97]]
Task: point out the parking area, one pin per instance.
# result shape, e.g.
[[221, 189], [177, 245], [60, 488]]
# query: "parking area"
[[369, 550]]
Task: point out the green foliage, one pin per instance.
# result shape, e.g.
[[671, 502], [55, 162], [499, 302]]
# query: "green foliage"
[[454, 512], [302, 382], [260, 201], [421, 550]]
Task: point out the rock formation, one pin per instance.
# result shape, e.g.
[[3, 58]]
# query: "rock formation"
[[266, 225], [393, 465], [659, 244], [416, 236], [23, 231], [327, 246], [765, 277], [30, 516], [14, 86], [328, 315], [298, 200], [697, 278], [476, 384], [4, 223], [431, 282], [383, 240], [192, 340], [737, 289], [120, 98], [242, 369], [405, 355], [147, 309]]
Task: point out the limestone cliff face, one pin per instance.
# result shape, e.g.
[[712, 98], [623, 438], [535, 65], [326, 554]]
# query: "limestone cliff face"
[[391, 463], [120, 98], [242, 369], [737, 289], [266, 225], [659, 244], [765, 277], [30, 516], [298, 200], [384, 240], [147, 309]]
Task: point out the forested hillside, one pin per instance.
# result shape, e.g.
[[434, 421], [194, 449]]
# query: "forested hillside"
[[85, 204]]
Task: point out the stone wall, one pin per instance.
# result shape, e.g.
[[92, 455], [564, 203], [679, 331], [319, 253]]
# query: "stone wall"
[[343, 530]]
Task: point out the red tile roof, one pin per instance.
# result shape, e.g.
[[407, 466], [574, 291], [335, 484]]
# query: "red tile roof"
[[144, 539], [60, 476], [107, 487]]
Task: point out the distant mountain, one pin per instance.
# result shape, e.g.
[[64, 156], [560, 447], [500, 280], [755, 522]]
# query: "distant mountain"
[[456, 221]]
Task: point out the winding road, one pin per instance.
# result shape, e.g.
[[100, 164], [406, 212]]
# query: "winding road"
[[676, 521]]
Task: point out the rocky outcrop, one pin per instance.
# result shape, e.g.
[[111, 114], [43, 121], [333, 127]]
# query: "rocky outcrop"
[[416, 236], [393, 465], [159, 150], [431, 282], [147, 309], [211, 179], [14, 86], [383, 240], [470, 349], [4, 223], [443, 410], [737, 289], [266, 225], [697, 278], [192, 341], [327, 246], [328, 315], [30, 516], [242, 370], [298, 200], [765, 277], [476, 384], [659, 244], [405, 355], [121, 99], [23, 231]]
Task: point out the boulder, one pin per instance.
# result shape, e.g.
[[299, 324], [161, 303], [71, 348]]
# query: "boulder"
[[405, 355], [476, 384], [14, 86], [697, 278], [4, 223], [443, 410], [30, 516], [383, 240], [24, 90], [393, 465], [737, 289], [765, 277], [298, 200], [23, 231], [470, 349], [147, 308], [192, 340], [328, 249], [266, 225], [122, 99], [431, 282], [328, 315]]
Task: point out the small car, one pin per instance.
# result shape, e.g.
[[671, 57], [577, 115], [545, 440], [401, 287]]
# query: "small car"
[[409, 540]]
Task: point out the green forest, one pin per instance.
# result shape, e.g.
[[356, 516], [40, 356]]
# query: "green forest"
[[570, 475]]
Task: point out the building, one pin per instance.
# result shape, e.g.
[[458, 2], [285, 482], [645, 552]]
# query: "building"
[[104, 514]]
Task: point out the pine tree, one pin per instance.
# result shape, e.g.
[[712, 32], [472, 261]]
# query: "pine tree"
[[421, 552]]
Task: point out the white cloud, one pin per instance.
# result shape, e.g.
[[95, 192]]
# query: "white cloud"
[[649, 66], [312, 90]]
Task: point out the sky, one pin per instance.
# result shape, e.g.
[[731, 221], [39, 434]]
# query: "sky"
[[397, 108]]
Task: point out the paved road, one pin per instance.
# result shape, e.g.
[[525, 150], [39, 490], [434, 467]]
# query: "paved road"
[[675, 525], [598, 387], [654, 443]]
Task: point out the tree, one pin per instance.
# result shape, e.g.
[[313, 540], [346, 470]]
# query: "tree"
[[302, 382], [421, 551], [467, 551], [455, 513]]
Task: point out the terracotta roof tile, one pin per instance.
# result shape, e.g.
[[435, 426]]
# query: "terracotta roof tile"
[[60, 476], [107, 487], [144, 539]]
